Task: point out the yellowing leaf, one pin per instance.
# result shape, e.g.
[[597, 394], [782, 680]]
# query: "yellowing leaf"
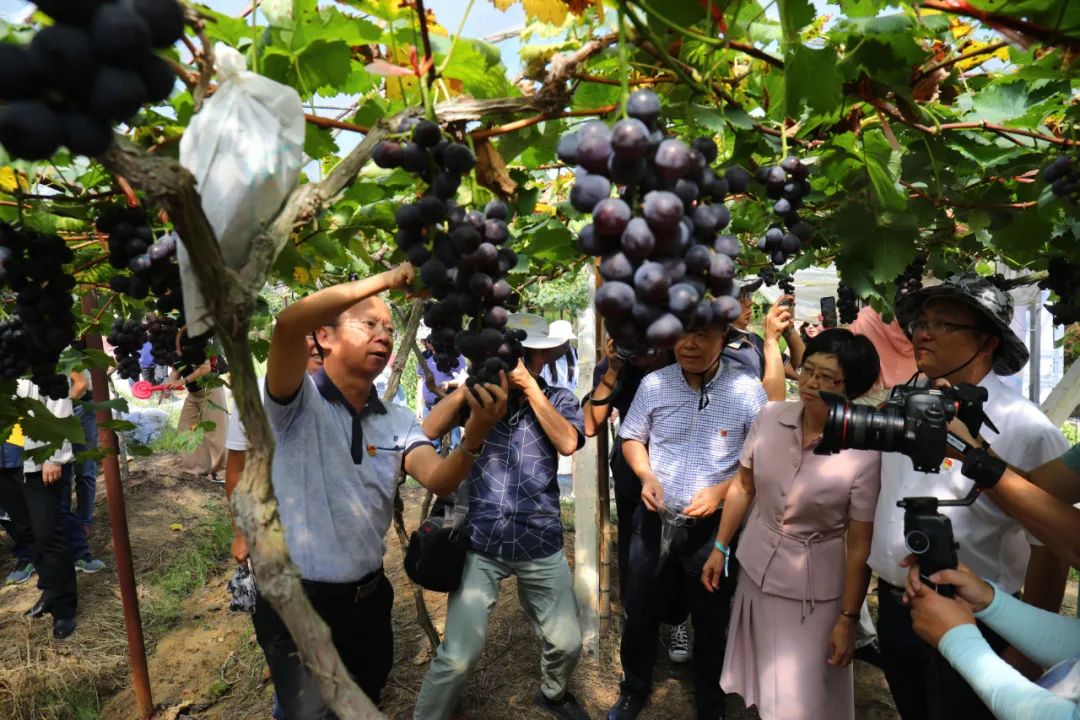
[[176, 527], [503, 5], [548, 11], [976, 60], [301, 275], [960, 29], [10, 181]]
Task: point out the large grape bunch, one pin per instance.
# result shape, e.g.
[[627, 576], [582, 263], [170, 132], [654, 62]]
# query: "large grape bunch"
[[771, 276], [666, 265], [94, 67], [847, 304], [1063, 279], [462, 255], [910, 280], [786, 185], [1064, 177], [41, 322]]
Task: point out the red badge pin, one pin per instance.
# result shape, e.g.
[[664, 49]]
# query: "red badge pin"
[[723, 433], [371, 450]]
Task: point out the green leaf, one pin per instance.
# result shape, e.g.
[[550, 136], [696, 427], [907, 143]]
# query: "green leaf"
[[813, 79], [477, 68], [796, 14], [318, 142], [861, 8], [997, 103], [883, 167], [321, 67]]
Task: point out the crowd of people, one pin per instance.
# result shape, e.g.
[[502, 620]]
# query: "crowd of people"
[[754, 548]]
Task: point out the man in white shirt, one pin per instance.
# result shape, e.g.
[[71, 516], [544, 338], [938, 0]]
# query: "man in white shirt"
[[960, 332], [563, 370], [32, 496]]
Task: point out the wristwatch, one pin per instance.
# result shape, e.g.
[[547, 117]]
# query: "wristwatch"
[[982, 467]]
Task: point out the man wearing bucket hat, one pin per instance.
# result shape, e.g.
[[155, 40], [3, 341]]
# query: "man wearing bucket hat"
[[514, 527], [561, 369], [960, 332]]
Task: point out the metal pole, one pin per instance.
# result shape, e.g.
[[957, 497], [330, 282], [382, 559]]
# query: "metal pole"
[[1035, 339], [603, 500], [114, 495]]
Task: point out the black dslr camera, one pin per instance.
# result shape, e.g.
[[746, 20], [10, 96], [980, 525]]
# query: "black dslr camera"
[[913, 421]]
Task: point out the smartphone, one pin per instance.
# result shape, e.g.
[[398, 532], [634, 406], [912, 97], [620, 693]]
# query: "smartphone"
[[828, 312]]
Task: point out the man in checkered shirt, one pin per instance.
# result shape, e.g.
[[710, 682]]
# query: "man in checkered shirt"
[[682, 436]]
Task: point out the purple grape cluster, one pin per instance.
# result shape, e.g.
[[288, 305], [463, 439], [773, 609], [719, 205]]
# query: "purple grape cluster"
[[151, 262], [786, 185], [666, 264], [127, 337], [847, 304], [463, 255], [1063, 279], [1064, 177], [41, 323], [93, 67], [910, 280]]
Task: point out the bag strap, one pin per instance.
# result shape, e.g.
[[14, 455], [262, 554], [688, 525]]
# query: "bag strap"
[[461, 504]]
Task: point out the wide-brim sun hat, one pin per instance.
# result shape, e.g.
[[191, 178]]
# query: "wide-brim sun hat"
[[562, 329], [749, 286], [537, 331], [980, 294]]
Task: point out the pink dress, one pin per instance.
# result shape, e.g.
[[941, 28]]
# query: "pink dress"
[[791, 582]]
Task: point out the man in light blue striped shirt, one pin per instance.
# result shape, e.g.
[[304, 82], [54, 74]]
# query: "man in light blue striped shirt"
[[682, 436]]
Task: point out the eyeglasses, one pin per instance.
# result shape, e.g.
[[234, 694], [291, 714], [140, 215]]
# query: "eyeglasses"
[[369, 326], [809, 373], [938, 327]]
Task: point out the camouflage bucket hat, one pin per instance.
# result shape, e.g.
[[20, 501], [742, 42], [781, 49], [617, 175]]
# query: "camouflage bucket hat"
[[982, 295]]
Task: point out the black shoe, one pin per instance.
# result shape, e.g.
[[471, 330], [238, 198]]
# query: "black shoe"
[[627, 707], [39, 609], [566, 707], [869, 653], [62, 627]]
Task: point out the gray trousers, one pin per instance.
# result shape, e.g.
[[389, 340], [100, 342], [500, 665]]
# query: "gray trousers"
[[545, 588]]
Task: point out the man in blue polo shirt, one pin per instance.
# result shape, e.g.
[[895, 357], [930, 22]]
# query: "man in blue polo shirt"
[[682, 436], [515, 528], [337, 455]]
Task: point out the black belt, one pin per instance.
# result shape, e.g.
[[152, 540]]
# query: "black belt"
[[355, 592]]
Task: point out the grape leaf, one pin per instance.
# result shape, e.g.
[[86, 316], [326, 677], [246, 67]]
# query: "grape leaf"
[[812, 78]]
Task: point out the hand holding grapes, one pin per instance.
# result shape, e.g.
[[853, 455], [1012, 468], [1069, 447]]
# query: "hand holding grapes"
[[520, 378], [400, 277]]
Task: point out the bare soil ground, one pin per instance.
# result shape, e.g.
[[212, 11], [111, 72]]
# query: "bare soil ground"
[[207, 666]]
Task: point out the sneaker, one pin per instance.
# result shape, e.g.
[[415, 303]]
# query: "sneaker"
[[627, 707], [20, 574], [679, 646], [567, 707], [215, 478], [90, 566]]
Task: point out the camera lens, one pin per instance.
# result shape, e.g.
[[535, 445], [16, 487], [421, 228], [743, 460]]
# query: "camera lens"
[[917, 542]]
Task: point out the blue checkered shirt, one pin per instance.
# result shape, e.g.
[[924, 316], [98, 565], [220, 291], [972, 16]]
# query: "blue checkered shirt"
[[692, 448]]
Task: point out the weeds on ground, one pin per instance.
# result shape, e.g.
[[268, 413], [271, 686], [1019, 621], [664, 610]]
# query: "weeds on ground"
[[188, 570]]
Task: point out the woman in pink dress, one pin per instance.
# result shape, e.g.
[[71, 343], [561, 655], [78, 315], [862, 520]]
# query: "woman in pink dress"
[[803, 552]]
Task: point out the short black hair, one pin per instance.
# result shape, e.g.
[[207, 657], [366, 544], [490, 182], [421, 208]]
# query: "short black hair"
[[856, 355]]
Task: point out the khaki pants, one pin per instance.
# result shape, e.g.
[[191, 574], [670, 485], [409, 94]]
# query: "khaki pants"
[[545, 588], [205, 406]]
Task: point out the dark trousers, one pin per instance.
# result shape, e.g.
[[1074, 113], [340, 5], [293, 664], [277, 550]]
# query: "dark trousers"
[[649, 594], [35, 515], [69, 523], [360, 630], [627, 500], [85, 470], [923, 685]]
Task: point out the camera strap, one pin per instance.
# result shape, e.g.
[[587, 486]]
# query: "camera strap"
[[964, 365], [978, 463]]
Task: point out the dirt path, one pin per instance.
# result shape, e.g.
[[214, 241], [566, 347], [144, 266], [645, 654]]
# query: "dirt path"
[[206, 665]]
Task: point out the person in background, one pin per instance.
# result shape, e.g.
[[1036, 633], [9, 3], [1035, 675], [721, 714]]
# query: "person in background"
[[202, 404], [682, 436], [85, 469], [616, 379], [1051, 640], [961, 334], [514, 528], [11, 458], [562, 369], [32, 496], [760, 356], [445, 383], [893, 347], [802, 558]]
